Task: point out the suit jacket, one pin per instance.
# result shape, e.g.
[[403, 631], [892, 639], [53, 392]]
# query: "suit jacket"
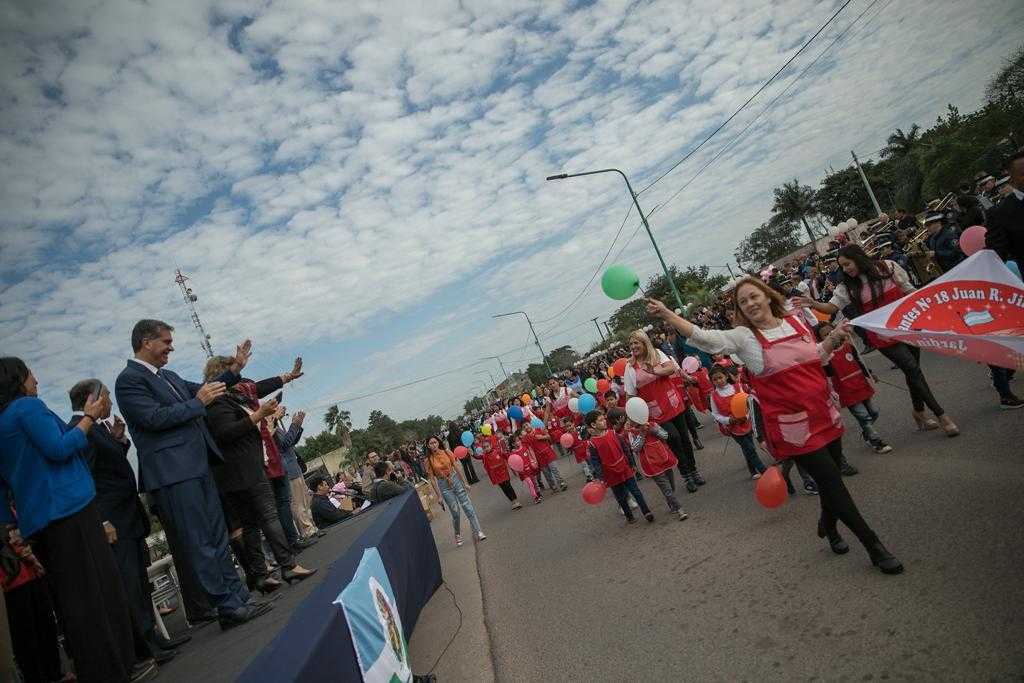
[[168, 425], [239, 440], [117, 494], [1005, 232], [324, 512]]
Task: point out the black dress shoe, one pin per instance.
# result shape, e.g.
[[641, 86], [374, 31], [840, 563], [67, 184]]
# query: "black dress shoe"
[[266, 585], [242, 615], [142, 671], [835, 541], [171, 643], [162, 656], [884, 560]]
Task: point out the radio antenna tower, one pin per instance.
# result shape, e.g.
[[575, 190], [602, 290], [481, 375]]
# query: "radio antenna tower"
[[190, 301]]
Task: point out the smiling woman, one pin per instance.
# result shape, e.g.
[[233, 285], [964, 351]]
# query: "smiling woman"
[[787, 379]]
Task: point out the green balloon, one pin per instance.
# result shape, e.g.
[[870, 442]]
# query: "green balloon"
[[619, 282], [590, 385]]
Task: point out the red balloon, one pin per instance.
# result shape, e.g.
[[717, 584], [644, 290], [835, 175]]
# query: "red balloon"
[[566, 440], [972, 239], [770, 490], [603, 385], [619, 367], [461, 452], [515, 461], [593, 493]]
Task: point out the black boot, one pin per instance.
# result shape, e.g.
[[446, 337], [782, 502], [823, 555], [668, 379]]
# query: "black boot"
[[846, 469], [691, 485], [835, 541], [884, 560]]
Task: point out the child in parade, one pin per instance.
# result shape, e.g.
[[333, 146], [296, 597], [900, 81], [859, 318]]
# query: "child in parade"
[[529, 471], [851, 381], [608, 457], [538, 440], [656, 460], [739, 428], [497, 470], [581, 448]]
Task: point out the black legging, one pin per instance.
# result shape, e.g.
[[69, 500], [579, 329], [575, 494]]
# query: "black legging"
[[469, 470], [836, 502], [506, 488], [691, 422], [679, 442], [908, 359]]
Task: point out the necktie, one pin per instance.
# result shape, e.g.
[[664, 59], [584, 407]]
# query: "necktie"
[[173, 390]]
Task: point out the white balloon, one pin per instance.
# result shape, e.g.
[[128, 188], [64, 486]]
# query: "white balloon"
[[852, 222], [637, 410], [574, 404]]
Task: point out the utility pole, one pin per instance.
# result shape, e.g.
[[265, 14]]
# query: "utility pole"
[[529, 322], [731, 274], [867, 185], [605, 323], [598, 328], [190, 301]]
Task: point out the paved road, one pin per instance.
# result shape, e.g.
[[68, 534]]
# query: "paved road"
[[742, 593]]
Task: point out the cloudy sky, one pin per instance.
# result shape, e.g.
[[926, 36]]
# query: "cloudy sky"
[[362, 183]]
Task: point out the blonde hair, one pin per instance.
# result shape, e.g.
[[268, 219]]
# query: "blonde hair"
[[775, 301], [650, 355], [217, 365]]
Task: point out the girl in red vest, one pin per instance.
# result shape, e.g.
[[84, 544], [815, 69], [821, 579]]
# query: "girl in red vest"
[[608, 457], [530, 470], [655, 460], [867, 285], [497, 469], [739, 428], [581, 451], [649, 375], [801, 421], [538, 440], [850, 380]]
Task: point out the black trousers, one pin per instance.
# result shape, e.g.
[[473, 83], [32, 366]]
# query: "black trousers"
[[33, 632], [89, 594], [908, 359], [506, 488], [691, 422], [835, 499], [256, 508], [132, 558], [469, 470], [679, 442]]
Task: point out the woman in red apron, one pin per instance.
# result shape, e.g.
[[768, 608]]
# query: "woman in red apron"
[[800, 419], [867, 285], [650, 374]]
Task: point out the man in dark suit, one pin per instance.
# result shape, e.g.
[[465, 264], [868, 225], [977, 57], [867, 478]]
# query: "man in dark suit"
[[1006, 222], [123, 515], [166, 416]]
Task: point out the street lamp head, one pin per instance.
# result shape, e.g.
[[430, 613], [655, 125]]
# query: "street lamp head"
[[559, 176]]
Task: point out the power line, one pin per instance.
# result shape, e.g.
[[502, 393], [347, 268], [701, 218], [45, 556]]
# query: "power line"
[[749, 99]]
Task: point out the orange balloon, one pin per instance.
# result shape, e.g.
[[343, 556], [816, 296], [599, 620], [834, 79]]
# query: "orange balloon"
[[610, 372], [525, 398], [739, 405], [770, 490]]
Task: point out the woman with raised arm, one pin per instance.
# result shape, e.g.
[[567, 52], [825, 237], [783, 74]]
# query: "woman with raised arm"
[[869, 284], [801, 422]]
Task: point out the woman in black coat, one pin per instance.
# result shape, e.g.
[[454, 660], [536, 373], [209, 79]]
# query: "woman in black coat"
[[238, 423]]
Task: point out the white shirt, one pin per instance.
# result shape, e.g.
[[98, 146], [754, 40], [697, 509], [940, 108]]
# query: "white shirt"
[[724, 392], [841, 297], [740, 342], [629, 377], [151, 368]]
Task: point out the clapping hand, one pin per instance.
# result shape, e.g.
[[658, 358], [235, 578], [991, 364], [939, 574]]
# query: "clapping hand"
[[295, 373], [210, 392], [242, 353], [266, 409], [297, 418], [117, 429], [97, 406]]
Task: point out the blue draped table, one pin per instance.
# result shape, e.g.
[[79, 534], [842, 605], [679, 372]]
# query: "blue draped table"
[[315, 644]]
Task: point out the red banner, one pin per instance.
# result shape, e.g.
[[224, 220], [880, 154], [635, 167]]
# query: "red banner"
[[975, 312]]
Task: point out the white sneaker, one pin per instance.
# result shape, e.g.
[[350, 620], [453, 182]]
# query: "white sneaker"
[[481, 536], [458, 540], [633, 504], [682, 515], [756, 476]]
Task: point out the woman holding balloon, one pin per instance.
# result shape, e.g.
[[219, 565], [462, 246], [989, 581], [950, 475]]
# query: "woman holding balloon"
[[649, 374], [801, 422], [450, 488]]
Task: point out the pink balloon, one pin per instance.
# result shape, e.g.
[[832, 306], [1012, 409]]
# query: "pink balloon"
[[593, 493], [691, 364], [566, 440], [515, 461], [972, 239]]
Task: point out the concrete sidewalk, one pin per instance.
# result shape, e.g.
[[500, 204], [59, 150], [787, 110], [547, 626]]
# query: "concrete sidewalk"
[[469, 656]]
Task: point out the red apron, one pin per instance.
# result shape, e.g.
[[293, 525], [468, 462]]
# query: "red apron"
[[529, 462], [581, 449], [699, 394], [561, 404], [724, 406], [495, 466], [503, 422], [542, 449], [663, 400], [890, 292], [655, 456], [799, 414], [849, 380], [614, 464]]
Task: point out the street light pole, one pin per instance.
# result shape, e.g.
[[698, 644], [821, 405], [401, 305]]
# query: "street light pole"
[[643, 217], [529, 322], [867, 185], [598, 328], [500, 364]]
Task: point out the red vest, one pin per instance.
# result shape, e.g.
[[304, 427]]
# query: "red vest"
[[723, 404], [663, 399], [890, 292], [699, 394], [655, 456], [581, 449], [542, 449], [497, 471], [614, 464], [502, 422], [796, 404], [848, 379], [529, 461]]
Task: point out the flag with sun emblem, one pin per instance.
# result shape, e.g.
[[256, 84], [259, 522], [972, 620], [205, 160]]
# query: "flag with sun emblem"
[[975, 312], [373, 620]]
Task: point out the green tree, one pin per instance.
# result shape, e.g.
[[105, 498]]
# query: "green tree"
[[474, 404], [771, 241], [315, 446], [692, 282], [900, 144], [340, 422], [1008, 84], [794, 203], [841, 195]]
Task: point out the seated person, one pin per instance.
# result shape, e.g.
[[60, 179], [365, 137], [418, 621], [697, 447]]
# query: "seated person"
[[382, 487], [325, 513]]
